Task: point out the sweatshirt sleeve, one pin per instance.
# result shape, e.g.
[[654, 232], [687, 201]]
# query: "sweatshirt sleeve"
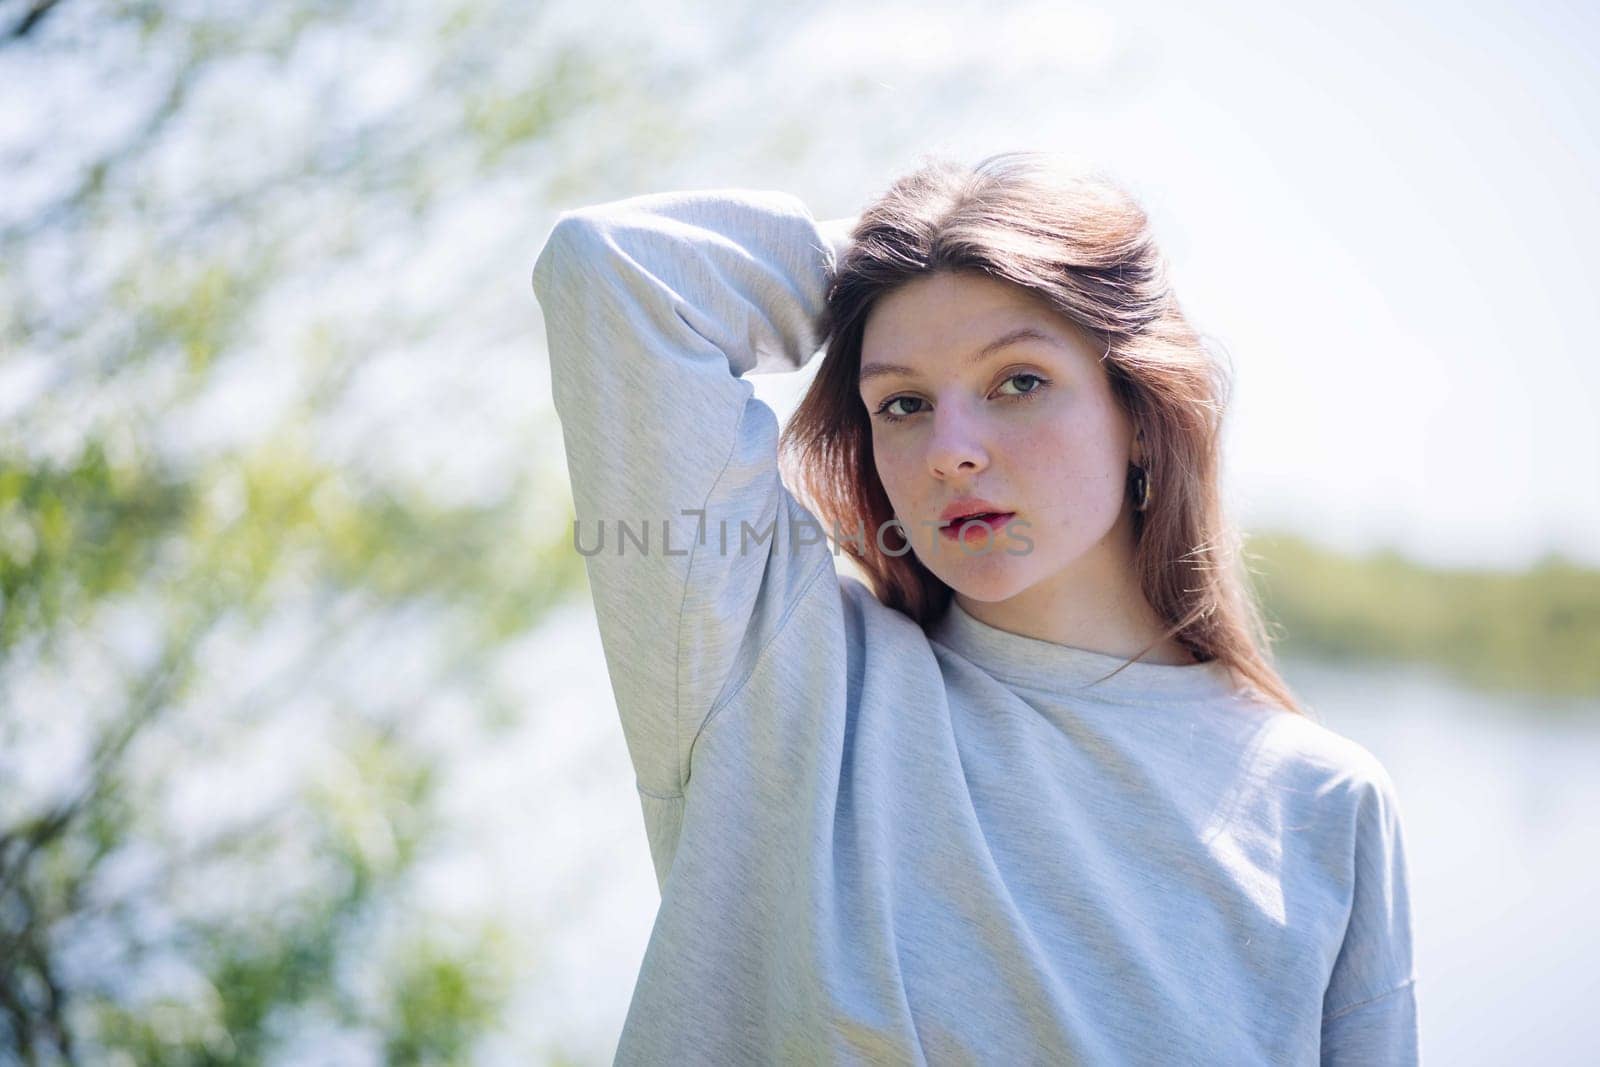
[[655, 307], [1369, 1010]]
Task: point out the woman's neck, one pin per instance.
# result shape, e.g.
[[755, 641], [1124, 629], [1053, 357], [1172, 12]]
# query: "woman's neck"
[[1099, 609]]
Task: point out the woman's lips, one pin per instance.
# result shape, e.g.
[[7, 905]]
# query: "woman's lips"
[[977, 528]]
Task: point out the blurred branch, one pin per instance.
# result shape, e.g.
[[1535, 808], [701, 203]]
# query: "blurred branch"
[[29, 21], [96, 173], [149, 697], [23, 945]]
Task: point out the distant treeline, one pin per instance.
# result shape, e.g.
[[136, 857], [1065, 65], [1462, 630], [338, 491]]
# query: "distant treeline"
[[1535, 630]]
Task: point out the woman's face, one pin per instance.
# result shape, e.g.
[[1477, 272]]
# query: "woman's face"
[[1031, 427]]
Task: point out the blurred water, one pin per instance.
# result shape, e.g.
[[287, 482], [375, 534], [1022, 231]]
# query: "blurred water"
[[1500, 802], [1499, 806]]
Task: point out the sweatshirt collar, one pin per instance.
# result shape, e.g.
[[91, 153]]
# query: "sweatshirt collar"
[[1045, 665]]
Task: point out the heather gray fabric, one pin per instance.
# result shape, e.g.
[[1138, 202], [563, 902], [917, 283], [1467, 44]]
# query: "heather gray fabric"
[[876, 845]]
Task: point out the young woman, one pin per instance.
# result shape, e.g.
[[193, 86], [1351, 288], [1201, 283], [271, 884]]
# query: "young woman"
[[1033, 793]]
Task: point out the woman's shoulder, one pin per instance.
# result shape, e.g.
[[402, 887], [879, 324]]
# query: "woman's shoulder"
[[1309, 755]]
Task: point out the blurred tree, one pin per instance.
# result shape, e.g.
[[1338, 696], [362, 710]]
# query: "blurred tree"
[[272, 495], [1535, 632]]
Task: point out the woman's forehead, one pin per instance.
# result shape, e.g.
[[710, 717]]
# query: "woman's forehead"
[[940, 322]]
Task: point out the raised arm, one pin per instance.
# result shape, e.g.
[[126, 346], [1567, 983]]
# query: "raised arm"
[[654, 307]]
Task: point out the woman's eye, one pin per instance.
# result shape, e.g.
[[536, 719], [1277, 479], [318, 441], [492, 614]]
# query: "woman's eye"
[[1036, 384], [1031, 377], [890, 416]]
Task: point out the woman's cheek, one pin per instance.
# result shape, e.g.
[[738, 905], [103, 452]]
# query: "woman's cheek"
[[891, 475], [883, 463]]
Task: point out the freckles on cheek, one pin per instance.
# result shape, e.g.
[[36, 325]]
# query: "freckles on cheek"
[[1040, 454]]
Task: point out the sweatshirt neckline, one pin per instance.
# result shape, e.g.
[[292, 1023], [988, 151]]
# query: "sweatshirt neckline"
[[1053, 667]]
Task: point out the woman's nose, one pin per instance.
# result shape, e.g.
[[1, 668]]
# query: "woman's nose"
[[956, 445]]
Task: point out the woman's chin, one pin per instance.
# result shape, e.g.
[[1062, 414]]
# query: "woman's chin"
[[984, 579]]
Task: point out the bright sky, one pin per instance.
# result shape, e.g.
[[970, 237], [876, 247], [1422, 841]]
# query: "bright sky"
[[1383, 215]]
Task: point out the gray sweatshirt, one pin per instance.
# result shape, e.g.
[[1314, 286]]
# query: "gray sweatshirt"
[[876, 844]]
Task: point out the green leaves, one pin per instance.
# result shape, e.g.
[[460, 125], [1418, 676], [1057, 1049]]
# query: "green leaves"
[[77, 533]]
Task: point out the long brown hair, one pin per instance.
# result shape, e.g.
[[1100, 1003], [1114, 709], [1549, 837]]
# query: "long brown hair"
[[1073, 235]]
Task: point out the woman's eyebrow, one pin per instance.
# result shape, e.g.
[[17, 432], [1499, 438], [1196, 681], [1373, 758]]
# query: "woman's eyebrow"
[[870, 371]]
